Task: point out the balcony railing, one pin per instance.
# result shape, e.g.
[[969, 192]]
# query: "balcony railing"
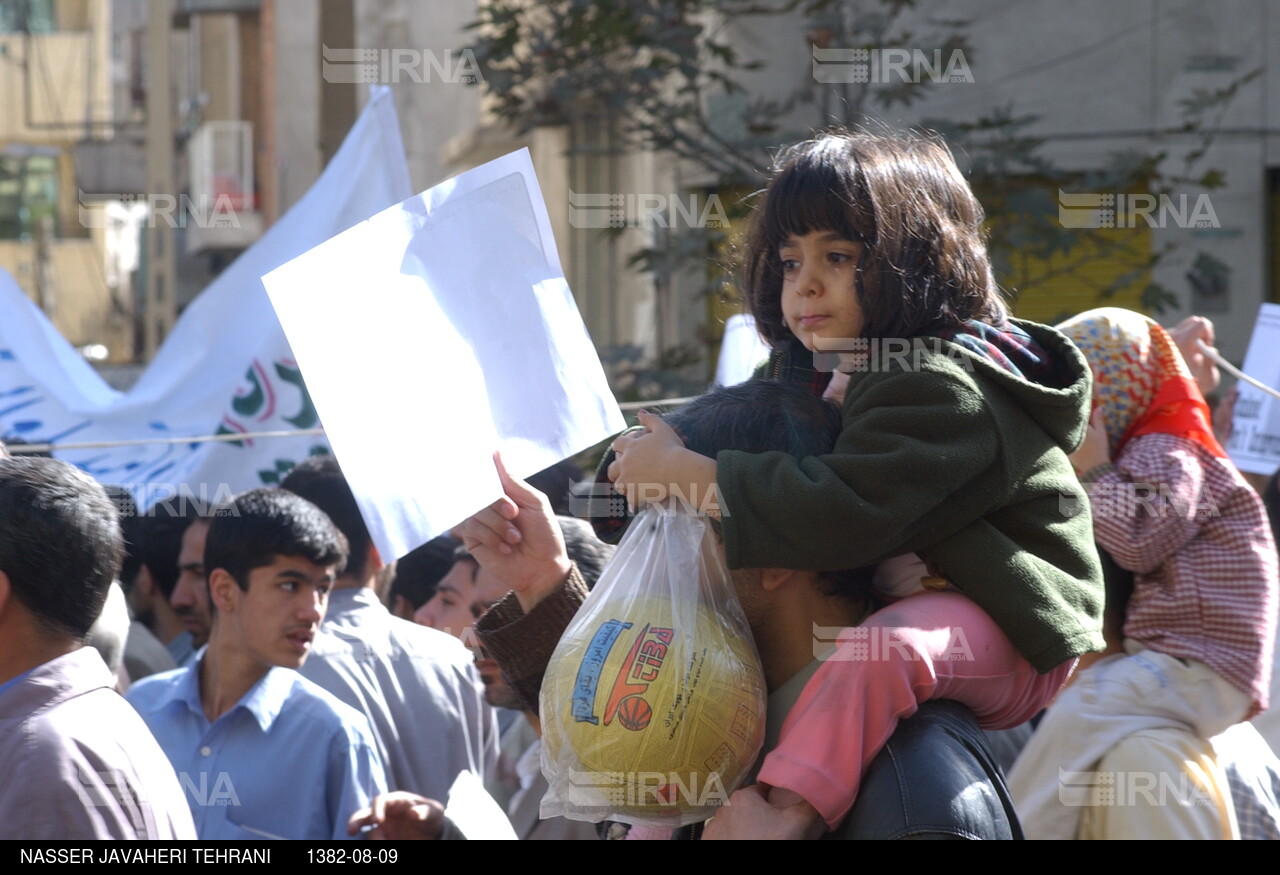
[[222, 213]]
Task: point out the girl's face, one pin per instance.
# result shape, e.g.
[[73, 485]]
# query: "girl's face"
[[819, 290]]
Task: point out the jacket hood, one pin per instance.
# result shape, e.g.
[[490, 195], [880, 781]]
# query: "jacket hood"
[[1061, 400]]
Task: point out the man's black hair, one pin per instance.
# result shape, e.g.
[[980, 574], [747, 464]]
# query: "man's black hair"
[[153, 539], [252, 529], [557, 483], [758, 416], [761, 416], [585, 550], [421, 569], [60, 543], [320, 481]]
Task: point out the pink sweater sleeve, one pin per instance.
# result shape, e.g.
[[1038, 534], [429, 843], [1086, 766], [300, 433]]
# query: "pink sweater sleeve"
[[1146, 507]]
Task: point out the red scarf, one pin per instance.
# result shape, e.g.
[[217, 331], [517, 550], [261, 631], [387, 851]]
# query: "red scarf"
[[1140, 380]]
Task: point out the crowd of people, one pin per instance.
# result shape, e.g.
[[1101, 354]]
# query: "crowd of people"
[[1055, 495]]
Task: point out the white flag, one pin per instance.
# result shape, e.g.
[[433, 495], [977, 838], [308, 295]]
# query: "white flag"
[[226, 366]]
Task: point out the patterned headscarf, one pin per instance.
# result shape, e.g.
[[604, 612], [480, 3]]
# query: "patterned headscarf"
[[1140, 380]]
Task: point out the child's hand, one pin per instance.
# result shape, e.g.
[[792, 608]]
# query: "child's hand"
[[1095, 450], [1223, 416], [749, 815], [1203, 369], [655, 464]]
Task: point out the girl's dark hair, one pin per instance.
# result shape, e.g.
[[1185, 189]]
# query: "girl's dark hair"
[[924, 263]]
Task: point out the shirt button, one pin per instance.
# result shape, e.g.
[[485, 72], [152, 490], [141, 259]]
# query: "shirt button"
[[205, 751]]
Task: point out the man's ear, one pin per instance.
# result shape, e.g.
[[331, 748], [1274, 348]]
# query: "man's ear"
[[144, 582], [224, 592], [402, 608], [773, 579], [140, 591], [6, 588], [373, 560]]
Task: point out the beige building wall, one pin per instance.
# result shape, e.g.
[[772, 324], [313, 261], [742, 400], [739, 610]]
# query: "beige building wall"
[[1102, 77], [69, 92], [291, 102], [78, 301], [56, 90], [215, 39]]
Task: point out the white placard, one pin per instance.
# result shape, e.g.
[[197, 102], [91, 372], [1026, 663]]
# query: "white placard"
[[435, 333], [1255, 431], [741, 351], [475, 813]]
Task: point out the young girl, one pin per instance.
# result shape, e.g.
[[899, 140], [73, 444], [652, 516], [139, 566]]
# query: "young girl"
[[1200, 624], [957, 421]]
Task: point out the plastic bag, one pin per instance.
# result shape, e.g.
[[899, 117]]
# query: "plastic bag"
[[653, 704]]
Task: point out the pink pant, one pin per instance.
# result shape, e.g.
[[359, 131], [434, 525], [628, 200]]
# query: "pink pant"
[[933, 645]]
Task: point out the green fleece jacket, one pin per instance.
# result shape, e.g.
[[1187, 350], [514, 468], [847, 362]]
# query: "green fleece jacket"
[[945, 454]]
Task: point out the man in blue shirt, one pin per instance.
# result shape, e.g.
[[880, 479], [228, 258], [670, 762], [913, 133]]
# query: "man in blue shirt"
[[260, 751], [423, 698]]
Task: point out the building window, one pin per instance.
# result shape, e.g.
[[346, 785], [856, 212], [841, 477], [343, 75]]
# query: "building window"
[[26, 16], [28, 193]]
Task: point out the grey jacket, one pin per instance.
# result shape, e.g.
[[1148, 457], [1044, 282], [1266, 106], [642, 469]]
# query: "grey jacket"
[[77, 762]]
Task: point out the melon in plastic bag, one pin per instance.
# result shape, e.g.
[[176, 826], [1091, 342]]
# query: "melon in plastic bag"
[[653, 704]]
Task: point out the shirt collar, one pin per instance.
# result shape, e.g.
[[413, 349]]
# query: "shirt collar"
[[264, 701], [185, 688], [351, 606], [13, 682], [342, 601]]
